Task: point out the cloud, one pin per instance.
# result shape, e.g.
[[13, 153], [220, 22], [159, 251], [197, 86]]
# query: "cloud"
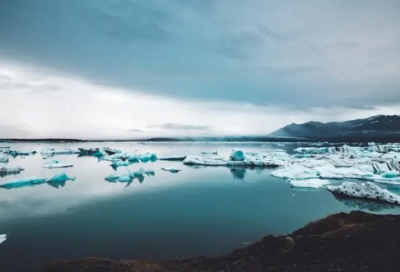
[[291, 54]]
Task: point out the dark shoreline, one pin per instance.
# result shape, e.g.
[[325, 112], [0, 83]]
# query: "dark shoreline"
[[357, 241]]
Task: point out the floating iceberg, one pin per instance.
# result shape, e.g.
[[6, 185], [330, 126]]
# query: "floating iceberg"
[[89, 151], [10, 170], [111, 151], [60, 178], [15, 153], [172, 170], [116, 164], [112, 178], [145, 157], [295, 172], [52, 151], [173, 158], [57, 165], [367, 190], [237, 155], [200, 160], [209, 152], [134, 158], [309, 183], [18, 183], [3, 159], [3, 237], [391, 165]]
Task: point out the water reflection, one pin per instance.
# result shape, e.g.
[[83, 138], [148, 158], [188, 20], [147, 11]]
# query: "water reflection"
[[238, 173], [362, 204]]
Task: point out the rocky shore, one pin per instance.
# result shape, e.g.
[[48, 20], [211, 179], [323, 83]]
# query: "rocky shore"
[[356, 241]]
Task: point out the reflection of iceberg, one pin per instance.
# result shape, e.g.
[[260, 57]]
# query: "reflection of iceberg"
[[3, 237], [367, 190], [170, 169], [25, 182], [361, 204], [238, 173], [309, 183], [173, 158], [4, 171]]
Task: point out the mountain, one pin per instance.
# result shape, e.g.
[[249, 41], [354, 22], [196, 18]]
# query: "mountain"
[[375, 128]]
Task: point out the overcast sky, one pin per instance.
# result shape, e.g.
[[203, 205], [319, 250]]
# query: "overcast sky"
[[138, 68]]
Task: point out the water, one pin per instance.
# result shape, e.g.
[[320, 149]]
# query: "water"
[[199, 211]]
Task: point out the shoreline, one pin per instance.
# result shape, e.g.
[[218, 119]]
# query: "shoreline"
[[355, 241]]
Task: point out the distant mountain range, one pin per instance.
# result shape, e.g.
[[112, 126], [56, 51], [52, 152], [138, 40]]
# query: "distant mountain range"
[[375, 128]]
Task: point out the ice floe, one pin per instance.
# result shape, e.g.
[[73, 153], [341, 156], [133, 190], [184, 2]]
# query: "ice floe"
[[57, 165], [53, 151], [366, 190], [3, 237], [173, 158], [310, 183], [24, 182], [170, 169]]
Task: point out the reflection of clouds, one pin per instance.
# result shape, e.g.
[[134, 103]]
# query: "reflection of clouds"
[[362, 204]]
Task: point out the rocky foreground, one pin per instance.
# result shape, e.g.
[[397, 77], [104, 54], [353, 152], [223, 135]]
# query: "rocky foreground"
[[341, 242]]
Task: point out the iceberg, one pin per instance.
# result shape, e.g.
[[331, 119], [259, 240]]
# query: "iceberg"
[[111, 151], [116, 164], [88, 151], [52, 151], [133, 158], [238, 155], [391, 165], [145, 157], [3, 237], [209, 152], [367, 190], [25, 182], [172, 170], [57, 165], [10, 170], [200, 160], [60, 178], [125, 178], [295, 172], [16, 153], [390, 174], [3, 159], [112, 178], [173, 158], [310, 183]]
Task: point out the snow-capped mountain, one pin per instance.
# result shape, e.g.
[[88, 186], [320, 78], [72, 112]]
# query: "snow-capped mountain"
[[375, 127]]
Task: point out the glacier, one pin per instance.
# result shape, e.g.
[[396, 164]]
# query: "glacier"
[[367, 190]]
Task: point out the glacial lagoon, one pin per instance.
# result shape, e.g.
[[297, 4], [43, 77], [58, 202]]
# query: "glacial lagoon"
[[201, 210]]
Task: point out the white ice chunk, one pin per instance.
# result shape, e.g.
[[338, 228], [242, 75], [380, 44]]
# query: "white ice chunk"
[[209, 152], [170, 169], [367, 190], [148, 157], [309, 183], [3, 237], [200, 160], [295, 172], [173, 158], [52, 151], [57, 165], [111, 151]]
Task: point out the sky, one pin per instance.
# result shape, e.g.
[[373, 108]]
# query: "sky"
[[143, 68]]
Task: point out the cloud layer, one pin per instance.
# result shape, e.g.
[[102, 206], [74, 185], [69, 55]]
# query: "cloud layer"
[[293, 53], [287, 58]]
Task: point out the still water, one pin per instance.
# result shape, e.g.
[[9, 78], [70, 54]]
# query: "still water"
[[198, 211]]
